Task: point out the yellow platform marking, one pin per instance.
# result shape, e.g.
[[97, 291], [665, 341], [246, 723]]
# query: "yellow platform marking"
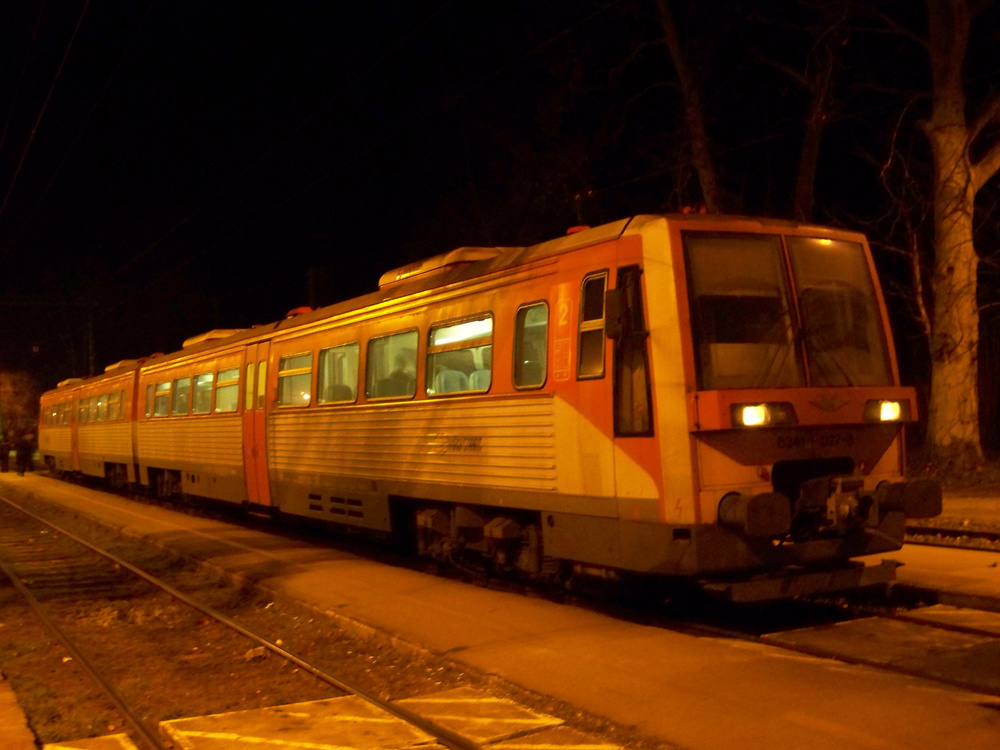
[[556, 738], [479, 716], [108, 742], [230, 736], [331, 724]]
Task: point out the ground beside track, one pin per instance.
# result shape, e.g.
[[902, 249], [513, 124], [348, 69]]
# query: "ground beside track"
[[183, 653], [171, 661], [696, 692]]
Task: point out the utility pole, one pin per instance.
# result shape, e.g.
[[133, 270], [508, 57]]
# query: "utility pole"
[[41, 300]]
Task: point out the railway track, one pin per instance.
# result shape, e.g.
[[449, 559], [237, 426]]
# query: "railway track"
[[958, 537], [58, 572], [948, 645], [944, 644]]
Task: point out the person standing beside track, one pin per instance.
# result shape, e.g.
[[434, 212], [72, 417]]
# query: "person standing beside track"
[[24, 451]]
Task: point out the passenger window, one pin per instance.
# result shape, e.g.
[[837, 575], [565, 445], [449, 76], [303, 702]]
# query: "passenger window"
[[227, 390], [248, 397], [149, 400], [295, 380], [114, 406], [161, 406], [182, 396], [392, 366], [460, 357], [201, 400], [83, 411], [590, 353], [531, 338], [261, 383], [93, 409], [337, 379]]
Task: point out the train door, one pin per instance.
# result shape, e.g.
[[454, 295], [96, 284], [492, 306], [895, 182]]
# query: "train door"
[[586, 449], [255, 423], [636, 451]]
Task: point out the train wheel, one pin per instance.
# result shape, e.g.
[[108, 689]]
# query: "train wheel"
[[167, 484]]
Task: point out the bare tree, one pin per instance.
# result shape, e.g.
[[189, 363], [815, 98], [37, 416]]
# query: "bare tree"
[[701, 152], [817, 76], [19, 393], [962, 166]]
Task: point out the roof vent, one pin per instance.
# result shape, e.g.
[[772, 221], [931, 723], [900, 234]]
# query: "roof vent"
[[218, 333], [438, 264], [123, 364], [580, 228], [68, 381], [295, 312]]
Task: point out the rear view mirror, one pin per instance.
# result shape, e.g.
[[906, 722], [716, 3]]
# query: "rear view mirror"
[[612, 314]]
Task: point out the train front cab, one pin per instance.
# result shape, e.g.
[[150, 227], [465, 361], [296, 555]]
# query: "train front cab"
[[778, 409]]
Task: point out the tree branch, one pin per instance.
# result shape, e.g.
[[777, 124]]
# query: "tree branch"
[[990, 113], [984, 170]]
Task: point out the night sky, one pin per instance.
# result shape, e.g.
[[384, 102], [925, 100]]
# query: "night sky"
[[208, 165]]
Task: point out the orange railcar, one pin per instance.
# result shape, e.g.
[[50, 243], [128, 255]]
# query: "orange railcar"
[[712, 398]]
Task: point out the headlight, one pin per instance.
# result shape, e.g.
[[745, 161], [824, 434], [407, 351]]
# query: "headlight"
[[754, 415], [771, 414], [885, 410], [890, 411]]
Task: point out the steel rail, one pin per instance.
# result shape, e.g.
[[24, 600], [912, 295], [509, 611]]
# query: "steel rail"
[[138, 724], [450, 739], [950, 533]]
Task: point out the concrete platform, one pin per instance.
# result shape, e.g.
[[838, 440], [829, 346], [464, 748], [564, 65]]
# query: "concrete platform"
[[478, 716], [14, 732], [969, 578], [331, 724], [350, 722], [957, 658]]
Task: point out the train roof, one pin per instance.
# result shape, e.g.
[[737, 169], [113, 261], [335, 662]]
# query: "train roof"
[[461, 264]]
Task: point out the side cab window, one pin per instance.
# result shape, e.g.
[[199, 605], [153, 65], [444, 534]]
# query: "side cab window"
[[590, 349]]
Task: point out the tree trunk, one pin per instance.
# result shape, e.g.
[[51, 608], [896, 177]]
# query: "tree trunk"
[[701, 152], [953, 419]]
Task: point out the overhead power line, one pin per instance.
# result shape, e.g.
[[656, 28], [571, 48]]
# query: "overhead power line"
[[38, 120], [20, 78], [100, 97]]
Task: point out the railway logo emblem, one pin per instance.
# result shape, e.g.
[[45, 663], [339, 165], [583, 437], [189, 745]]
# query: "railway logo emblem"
[[828, 402]]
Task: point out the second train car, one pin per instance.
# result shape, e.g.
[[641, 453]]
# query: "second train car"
[[708, 398]]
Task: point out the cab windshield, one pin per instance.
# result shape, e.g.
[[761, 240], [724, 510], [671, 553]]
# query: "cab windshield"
[[759, 324]]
